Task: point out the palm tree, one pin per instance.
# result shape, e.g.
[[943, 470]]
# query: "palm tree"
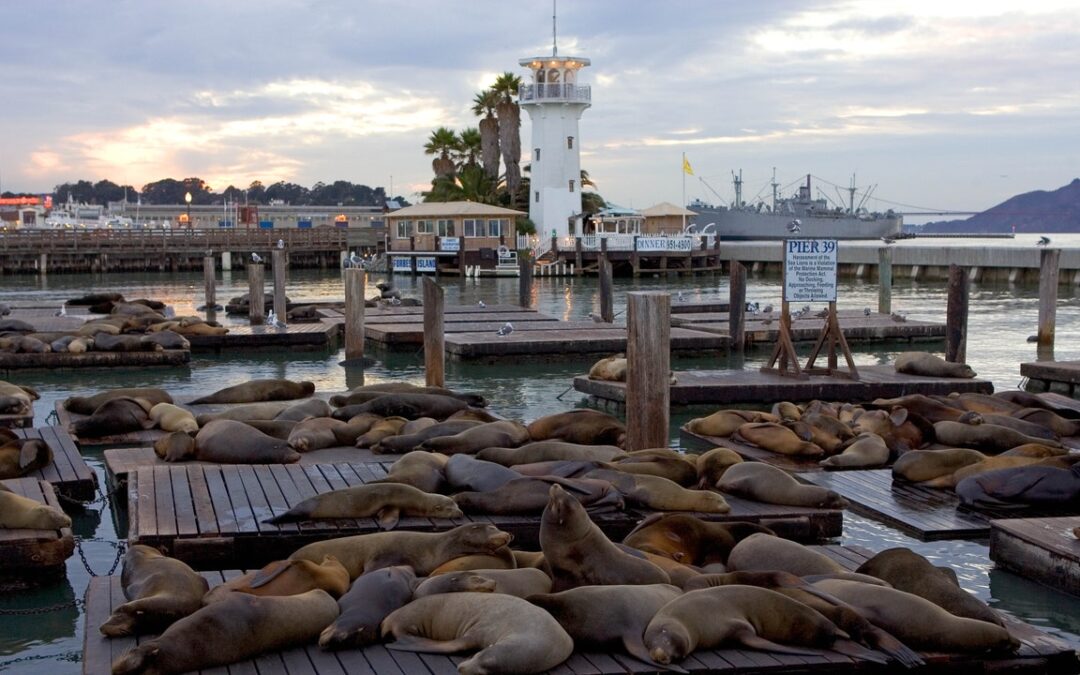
[[470, 184], [470, 147], [585, 180], [442, 142], [506, 87], [484, 105]]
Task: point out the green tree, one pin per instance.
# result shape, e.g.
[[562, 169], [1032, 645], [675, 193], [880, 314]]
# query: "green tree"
[[485, 104], [509, 115], [443, 143], [469, 148]]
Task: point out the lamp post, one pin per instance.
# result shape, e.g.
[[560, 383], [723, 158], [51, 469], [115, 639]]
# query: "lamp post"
[[187, 198]]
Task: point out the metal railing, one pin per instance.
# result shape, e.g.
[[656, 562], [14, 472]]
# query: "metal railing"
[[555, 92], [176, 239]]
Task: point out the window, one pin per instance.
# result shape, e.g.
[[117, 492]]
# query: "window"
[[537, 193], [446, 228], [571, 185], [404, 229], [569, 142], [536, 153], [425, 227], [496, 227], [475, 228]]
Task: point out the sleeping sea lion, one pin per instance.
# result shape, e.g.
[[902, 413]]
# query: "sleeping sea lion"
[[521, 583], [20, 456], [286, 577], [86, 405], [18, 512], [868, 451], [985, 437], [115, 416], [159, 589], [409, 406], [1042, 486], [765, 552], [410, 442], [370, 599], [528, 495], [169, 417], [502, 434], [589, 427], [712, 465], [929, 365], [661, 494], [688, 539], [421, 469], [776, 438], [298, 412], [922, 465], [387, 502], [254, 391], [765, 483], [547, 451], [232, 442]]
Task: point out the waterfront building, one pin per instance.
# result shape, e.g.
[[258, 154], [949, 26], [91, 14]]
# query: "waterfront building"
[[452, 236]]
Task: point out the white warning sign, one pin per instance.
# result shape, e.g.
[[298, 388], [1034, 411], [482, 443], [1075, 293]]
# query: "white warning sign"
[[810, 270]]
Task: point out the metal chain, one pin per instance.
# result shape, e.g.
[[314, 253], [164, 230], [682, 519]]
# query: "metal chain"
[[121, 547], [78, 602], [72, 657]]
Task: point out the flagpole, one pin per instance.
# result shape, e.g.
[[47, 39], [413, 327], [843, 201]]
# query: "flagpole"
[[683, 205]]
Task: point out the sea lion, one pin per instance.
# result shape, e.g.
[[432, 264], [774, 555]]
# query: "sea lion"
[[159, 589], [423, 551], [929, 365], [124, 343], [177, 446], [992, 463], [985, 437], [916, 621], [1050, 420], [320, 432], [254, 391], [95, 299], [169, 417], [528, 495], [787, 411], [15, 326], [981, 403], [86, 405], [662, 462], [387, 502], [92, 329], [661, 494], [929, 408], [421, 469], [512, 636], [609, 369], [517, 582], [277, 428], [167, 339], [765, 483], [776, 438], [587, 427], [901, 430], [380, 430], [712, 465], [1020, 487], [366, 393], [18, 512], [410, 442], [867, 452], [1034, 450], [922, 465], [1028, 428], [465, 472], [601, 615], [753, 617], [830, 424], [286, 577], [371, 598], [115, 416], [409, 406], [267, 410], [579, 554], [547, 451], [417, 425], [688, 539], [764, 552], [722, 423], [20, 456], [500, 434], [473, 415], [239, 627], [298, 412], [500, 559], [232, 442], [200, 329], [908, 571], [15, 400]]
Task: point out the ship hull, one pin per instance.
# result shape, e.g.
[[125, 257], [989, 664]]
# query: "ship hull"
[[744, 225]]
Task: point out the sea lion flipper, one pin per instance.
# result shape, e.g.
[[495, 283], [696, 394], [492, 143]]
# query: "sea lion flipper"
[[748, 638], [388, 517], [856, 650], [29, 454], [411, 643], [885, 642], [262, 577], [635, 647]]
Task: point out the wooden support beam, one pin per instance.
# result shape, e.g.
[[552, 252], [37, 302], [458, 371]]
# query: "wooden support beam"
[[355, 280], [737, 306], [884, 297], [607, 286], [210, 282], [525, 272], [956, 315], [1048, 292], [648, 371], [280, 308], [434, 338], [256, 299]]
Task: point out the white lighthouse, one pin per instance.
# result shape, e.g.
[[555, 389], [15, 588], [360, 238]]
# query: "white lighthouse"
[[555, 101]]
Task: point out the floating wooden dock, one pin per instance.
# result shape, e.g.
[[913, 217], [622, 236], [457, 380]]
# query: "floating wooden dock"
[[750, 453], [1042, 549], [34, 554], [1053, 372], [68, 473], [59, 360], [922, 512], [857, 327], [721, 387], [1038, 653], [594, 339], [210, 516], [320, 335]]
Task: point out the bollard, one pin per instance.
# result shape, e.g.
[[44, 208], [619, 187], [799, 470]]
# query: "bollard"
[[1048, 291], [434, 338], [884, 293], [737, 306], [648, 370], [956, 315], [354, 313], [256, 301]]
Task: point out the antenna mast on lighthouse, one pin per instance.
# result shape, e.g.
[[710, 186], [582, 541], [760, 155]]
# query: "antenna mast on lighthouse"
[[554, 42]]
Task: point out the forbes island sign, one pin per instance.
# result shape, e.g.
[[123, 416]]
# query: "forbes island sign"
[[810, 270]]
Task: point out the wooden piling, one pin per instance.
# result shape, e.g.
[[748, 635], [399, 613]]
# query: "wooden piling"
[[256, 301], [525, 273], [354, 313], [1048, 290], [737, 306], [884, 294], [210, 280], [280, 309], [434, 338], [648, 372], [956, 315], [607, 300], [577, 257]]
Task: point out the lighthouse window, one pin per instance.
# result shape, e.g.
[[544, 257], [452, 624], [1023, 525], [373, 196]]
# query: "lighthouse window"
[[569, 142], [571, 185], [537, 153]]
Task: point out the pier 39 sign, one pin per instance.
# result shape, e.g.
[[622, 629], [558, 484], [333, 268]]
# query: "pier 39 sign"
[[810, 270]]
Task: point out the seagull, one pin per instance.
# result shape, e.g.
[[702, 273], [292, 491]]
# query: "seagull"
[[355, 260], [395, 301], [899, 318], [255, 258], [62, 311], [276, 321], [281, 243], [596, 317], [1043, 241], [271, 318], [805, 309], [866, 311], [823, 313], [888, 240], [505, 330], [681, 297], [794, 226], [481, 304], [768, 309]]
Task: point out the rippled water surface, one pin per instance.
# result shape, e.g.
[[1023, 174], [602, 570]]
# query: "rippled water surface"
[[1001, 318]]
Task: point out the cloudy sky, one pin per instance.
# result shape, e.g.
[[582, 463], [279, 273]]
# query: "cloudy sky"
[[949, 104]]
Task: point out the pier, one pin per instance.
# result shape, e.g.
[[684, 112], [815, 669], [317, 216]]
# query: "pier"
[[1043, 549], [1046, 374], [856, 324], [68, 472]]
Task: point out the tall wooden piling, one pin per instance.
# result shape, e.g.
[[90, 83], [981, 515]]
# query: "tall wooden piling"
[[280, 309], [434, 338], [577, 257], [956, 315], [607, 299], [737, 306], [1048, 290], [884, 293], [525, 274], [210, 281], [648, 370], [256, 301], [354, 313]]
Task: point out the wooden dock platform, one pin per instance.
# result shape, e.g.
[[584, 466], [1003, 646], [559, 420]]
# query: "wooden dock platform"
[[68, 473], [1048, 373], [1039, 652], [61, 360], [210, 516], [857, 327], [28, 555], [593, 339], [319, 335], [922, 512], [721, 387], [1042, 549], [750, 453]]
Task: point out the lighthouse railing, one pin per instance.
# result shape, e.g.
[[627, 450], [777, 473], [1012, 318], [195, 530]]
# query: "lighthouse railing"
[[554, 92]]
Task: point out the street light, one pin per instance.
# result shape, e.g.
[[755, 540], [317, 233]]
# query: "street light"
[[187, 198]]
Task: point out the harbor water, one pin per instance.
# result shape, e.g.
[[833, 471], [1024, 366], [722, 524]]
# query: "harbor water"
[[1001, 318]]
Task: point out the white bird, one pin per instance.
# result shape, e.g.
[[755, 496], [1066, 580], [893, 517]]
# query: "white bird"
[[1043, 241], [505, 330], [866, 311], [395, 301], [281, 243], [271, 318], [681, 297], [596, 317], [255, 258], [794, 226], [62, 311], [481, 304]]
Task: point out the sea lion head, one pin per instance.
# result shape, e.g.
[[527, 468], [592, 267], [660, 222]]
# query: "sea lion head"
[[141, 659], [972, 418], [45, 517], [446, 507], [474, 400], [667, 640], [480, 537], [175, 447], [562, 509], [121, 623], [307, 387]]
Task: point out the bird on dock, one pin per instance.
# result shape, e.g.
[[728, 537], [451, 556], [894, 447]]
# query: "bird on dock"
[[62, 311], [899, 318], [281, 243], [767, 309], [1043, 241], [866, 311], [681, 297], [888, 240], [354, 261], [505, 330], [271, 318], [395, 301], [255, 258], [481, 304], [805, 309], [823, 313], [596, 317], [794, 226]]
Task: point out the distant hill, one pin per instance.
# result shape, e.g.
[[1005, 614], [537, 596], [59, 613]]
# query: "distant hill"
[[1038, 211]]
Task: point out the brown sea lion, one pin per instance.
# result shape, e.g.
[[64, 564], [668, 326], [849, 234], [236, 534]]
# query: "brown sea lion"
[[1020, 487], [372, 391], [1050, 420], [503, 434], [200, 329], [776, 438], [765, 483], [466, 473], [277, 428], [236, 629], [579, 554], [512, 636], [547, 451], [410, 442], [124, 343], [421, 469], [232, 442], [529, 495], [500, 559], [588, 427], [20, 456], [922, 465], [609, 369], [661, 494], [298, 412], [688, 539], [175, 447], [320, 432], [423, 551], [722, 423], [929, 365], [868, 451], [819, 437], [981, 403], [380, 430], [169, 417], [86, 405], [94, 328], [387, 502], [901, 430], [517, 582], [599, 616], [662, 462], [371, 598], [18, 512], [711, 466], [989, 438], [989, 464], [1026, 427], [1034, 450], [159, 589], [787, 411], [764, 552], [286, 577], [908, 571], [115, 416], [266, 410], [409, 406], [254, 391], [473, 415], [167, 339]]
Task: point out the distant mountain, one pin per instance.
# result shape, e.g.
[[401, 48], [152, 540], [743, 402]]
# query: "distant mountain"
[[1038, 211]]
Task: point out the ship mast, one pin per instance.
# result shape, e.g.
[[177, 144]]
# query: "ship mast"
[[774, 186], [737, 179], [851, 196]]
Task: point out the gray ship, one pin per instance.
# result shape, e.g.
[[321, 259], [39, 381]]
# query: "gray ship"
[[797, 216]]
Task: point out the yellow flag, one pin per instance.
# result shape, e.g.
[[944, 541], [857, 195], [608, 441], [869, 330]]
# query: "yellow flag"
[[686, 166]]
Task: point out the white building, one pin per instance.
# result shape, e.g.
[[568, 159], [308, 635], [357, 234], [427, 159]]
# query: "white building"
[[555, 101]]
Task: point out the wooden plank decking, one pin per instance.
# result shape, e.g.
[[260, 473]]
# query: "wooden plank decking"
[[722, 387], [412, 334], [1043, 549], [31, 554], [1039, 653], [857, 327], [1049, 372], [58, 360], [211, 515], [68, 472], [295, 336], [593, 339]]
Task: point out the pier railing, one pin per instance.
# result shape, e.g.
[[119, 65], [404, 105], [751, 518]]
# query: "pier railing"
[[177, 239]]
